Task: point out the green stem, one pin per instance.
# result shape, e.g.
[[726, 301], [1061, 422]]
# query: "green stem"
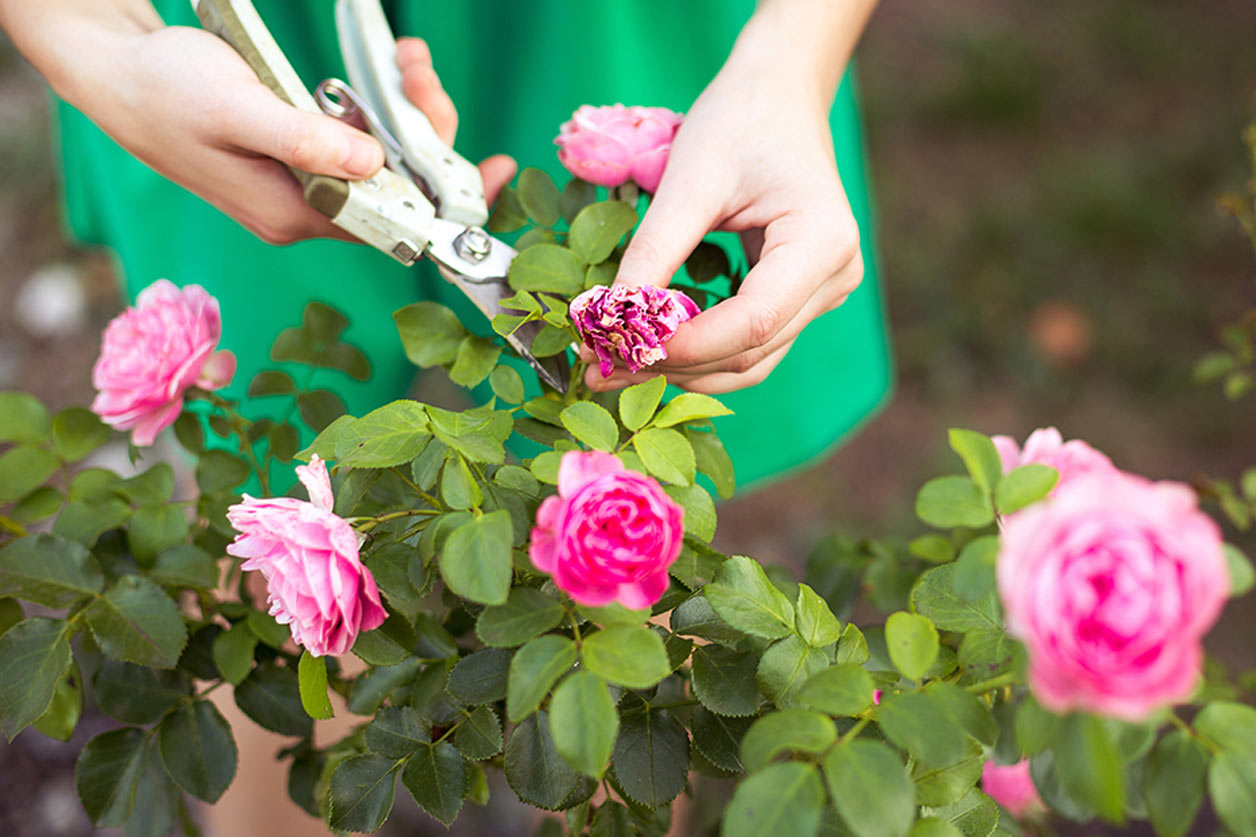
[[997, 682], [415, 488], [240, 425], [372, 522], [855, 730]]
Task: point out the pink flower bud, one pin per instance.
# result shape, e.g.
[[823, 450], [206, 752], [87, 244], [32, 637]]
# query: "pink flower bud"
[[153, 353], [316, 583], [609, 535], [613, 144], [632, 323], [1012, 787], [1046, 446]]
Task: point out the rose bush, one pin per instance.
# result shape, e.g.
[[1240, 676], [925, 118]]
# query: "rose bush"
[[531, 586]]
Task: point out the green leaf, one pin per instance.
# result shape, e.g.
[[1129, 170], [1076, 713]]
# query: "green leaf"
[[539, 197], [430, 333], [780, 799], [786, 666], [577, 194], [1231, 726], [396, 732], [948, 784], [638, 402], [598, 228], [526, 614], [934, 596], [218, 471], [320, 407], [912, 642], [48, 570], [233, 652], [922, 725], [1024, 485], [689, 406], [475, 561], [535, 770], [970, 712], [1173, 783], [549, 268], [980, 457], [816, 623], [975, 815], [390, 435], [695, 617], [348, 359], [361, 793], [936, 549], [157, 799], [1090, 765], [718, 738], [23, 469], [507, 384], [949, 502], [106, 773], [76, 432], [271, 382], [699, 509], [151, 488], [934, 827], [626, 655], [477, 436], [322, 322], [479, 736], [508, 214], [271, 696], [708, 261], [312, 682], [481, 677], [198, 750], [800, 730], [388, 644], [458, 487], [137, 622], [436, 777], [185, 565], [584, 723], [592, 424], [23, 418], [871, 788], [724, 680], [1242, 576], [744, 598], [841, 690], [474, 361], [1232, 786], [533, 670], [651, 755], [551, 340], [139, 694], [156, 528], [666, 454], [62, 715], [713, 460]]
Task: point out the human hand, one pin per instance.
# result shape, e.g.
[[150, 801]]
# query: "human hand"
[[754, 155]]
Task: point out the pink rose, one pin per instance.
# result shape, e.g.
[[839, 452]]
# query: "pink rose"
[[315, 581], [612, 144], [1012, 787], [633, 323], [1112, 583], [609, 535], [153, 353], [1046, 446]]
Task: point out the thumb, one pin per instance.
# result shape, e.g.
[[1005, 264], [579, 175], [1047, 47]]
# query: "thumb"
[[312, 142], [673, 225]]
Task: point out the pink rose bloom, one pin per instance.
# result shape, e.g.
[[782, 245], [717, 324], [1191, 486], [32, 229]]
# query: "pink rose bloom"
[[153, 353], [1112, 583], [613, 144], [1046, 446], [315, 581], [1012, 787], [632, 323], [609, 535]]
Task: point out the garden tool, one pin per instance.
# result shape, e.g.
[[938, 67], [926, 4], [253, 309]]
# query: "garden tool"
[[427, 200]]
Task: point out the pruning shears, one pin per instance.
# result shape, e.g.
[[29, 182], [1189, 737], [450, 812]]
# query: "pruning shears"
[[428, 200]]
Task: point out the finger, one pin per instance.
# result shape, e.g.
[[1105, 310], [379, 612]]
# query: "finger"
[[712, 383], [679, 215], [423, 88], [496, 172], [412, 51], [266, 125], [801, 252]]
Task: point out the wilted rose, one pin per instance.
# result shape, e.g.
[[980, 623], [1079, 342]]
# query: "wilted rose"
[[316, 583], [1045, 446], [1112, 583], [153, 353], [613, 144], [609, 535], [631, 323]]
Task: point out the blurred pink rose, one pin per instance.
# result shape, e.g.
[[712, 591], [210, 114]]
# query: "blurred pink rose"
[[1111, 584], [1012, 787], [612, 144], [632, 323], [1046, 446], [316, 583], [609, 535], [153, 353]]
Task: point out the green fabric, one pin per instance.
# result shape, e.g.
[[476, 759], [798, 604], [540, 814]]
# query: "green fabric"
[[516, 71]]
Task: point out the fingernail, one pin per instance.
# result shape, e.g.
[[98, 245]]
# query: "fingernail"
[[362, 157]]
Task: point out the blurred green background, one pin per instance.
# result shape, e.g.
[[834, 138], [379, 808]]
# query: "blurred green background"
[[1047, 177]]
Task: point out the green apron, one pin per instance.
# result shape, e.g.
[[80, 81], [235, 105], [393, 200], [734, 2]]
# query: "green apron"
[[516, 71]]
